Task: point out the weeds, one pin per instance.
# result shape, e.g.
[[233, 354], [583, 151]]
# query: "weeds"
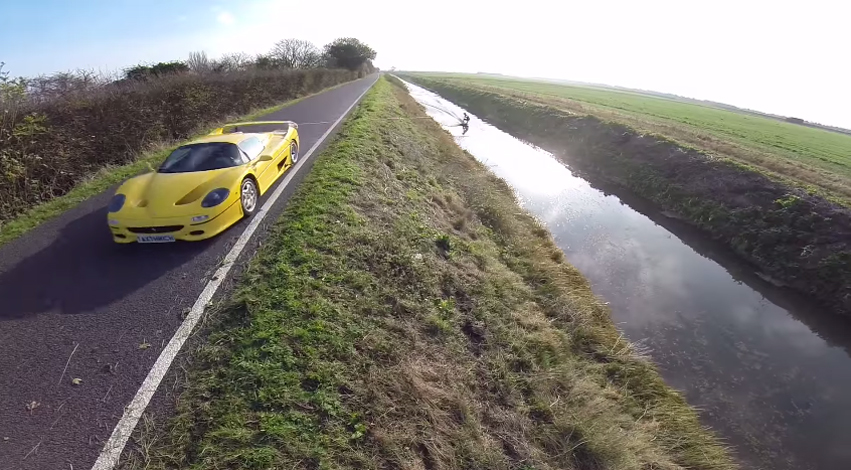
[[354, 342]]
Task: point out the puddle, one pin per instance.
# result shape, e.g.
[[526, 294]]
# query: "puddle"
[[768, 371]]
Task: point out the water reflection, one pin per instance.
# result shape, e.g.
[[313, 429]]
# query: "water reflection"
[[769, 371]]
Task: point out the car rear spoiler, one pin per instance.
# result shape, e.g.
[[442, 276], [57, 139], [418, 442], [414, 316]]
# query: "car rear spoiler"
[[235, 126]]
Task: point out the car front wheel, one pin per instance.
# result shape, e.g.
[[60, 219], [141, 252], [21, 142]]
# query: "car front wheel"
[[248, 196], [293, 152]]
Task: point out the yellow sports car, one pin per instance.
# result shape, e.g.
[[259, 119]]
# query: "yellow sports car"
[[203, 187]]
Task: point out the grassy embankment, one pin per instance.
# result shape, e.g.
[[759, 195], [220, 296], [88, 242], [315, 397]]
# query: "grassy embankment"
[[813, 157], [794, 236], [406, 313], [56, 154]]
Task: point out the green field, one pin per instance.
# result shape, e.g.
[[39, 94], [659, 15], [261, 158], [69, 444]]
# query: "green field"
[[811, 156]]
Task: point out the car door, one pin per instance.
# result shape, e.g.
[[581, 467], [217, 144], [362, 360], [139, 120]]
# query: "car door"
[[263, 168]]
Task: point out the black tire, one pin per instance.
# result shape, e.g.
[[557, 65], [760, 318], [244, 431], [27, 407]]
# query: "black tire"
[[249, 196]]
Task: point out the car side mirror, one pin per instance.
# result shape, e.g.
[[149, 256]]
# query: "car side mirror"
[[266, 158]]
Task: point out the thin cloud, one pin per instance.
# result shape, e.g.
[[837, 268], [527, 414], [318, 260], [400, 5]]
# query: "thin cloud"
[[225, 18]]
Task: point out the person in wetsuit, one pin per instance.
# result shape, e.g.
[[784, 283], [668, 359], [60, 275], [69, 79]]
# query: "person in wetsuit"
[[465, 124]]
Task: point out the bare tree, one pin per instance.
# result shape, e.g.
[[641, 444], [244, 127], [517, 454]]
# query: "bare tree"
[[242, 60], [198, 62], [63, 84], [264, 62], [295, 54], [235, 62]]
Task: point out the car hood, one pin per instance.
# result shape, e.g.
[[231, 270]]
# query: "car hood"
[[162, 195]]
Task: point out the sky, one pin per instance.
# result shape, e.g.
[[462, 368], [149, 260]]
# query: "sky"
[[788, 58]]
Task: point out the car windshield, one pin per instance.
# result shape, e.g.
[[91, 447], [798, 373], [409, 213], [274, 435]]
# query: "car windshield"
[[202, 157]]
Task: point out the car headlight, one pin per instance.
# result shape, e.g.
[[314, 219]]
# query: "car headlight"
[[216, 197], [116, 203], [200, 218]]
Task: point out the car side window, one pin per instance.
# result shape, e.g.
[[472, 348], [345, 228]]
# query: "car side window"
[[251, 147]]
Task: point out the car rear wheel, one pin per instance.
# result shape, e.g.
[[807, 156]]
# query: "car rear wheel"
[[293, 152], [248, 196]]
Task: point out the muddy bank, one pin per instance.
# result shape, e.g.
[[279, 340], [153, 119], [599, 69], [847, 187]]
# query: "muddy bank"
[[796, 239]]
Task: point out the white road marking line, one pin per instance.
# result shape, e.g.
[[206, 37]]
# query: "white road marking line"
[[108, 458]]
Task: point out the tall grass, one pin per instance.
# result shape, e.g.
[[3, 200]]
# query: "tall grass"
[[70, 128]]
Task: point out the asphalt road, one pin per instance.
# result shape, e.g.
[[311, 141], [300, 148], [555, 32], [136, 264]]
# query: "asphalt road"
[[67, 288]]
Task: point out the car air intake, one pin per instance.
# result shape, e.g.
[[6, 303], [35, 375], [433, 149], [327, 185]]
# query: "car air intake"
[[167, 229]]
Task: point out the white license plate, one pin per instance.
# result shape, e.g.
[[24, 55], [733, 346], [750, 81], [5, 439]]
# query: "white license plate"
[[155, 238]]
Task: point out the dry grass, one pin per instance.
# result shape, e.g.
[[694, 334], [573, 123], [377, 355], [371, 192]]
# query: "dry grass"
[[407, 314]]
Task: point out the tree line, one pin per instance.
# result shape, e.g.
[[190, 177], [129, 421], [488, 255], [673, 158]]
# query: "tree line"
[[342, 53], [58, 129], [288, 54]]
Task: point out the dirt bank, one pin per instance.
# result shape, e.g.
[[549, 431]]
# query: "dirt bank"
[[795, 238]]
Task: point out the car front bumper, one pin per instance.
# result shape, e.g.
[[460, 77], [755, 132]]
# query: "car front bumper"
[[126, 230]]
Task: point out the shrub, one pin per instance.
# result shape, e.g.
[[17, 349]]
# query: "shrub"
[[349, 53], [144, 72]]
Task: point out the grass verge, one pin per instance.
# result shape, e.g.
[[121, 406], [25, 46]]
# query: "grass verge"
[[406, 313], [794, 236], [111, 175]]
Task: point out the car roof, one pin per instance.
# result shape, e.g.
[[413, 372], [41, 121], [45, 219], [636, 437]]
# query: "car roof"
[[232, 138]]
